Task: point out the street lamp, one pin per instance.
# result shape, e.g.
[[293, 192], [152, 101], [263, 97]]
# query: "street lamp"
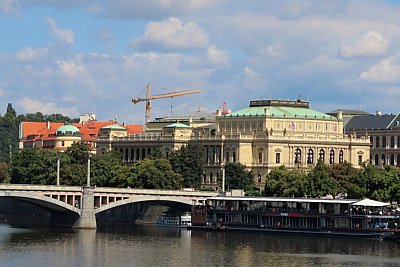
[[88, 172], [58, 168]]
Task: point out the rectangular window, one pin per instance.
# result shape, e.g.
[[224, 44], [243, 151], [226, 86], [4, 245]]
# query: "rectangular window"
[[360, 159], [233, 156], [260, 158], [278, 157]]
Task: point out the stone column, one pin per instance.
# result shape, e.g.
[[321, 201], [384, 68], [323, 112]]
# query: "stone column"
[[87, 220]]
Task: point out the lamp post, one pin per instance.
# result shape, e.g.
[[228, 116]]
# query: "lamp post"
[[88, 172], [58, 168]]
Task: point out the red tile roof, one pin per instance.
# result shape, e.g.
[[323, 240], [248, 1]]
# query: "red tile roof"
[[89, 130]]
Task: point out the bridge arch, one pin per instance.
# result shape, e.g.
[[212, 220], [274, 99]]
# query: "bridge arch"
[[136, 199], [42, 201]]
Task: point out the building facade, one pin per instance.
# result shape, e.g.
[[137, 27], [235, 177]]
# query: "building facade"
[[383, 132], [263, 136]]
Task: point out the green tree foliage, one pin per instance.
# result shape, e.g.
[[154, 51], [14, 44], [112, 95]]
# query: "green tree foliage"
[[237, 177], [154, 174], [109, 170], [283, 182], [4, 173], [8, 134], [320, 183], [188, 161], [34, 167]]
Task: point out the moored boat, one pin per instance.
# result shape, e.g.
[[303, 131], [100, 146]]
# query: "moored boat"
[[180, 221], [316, 216]]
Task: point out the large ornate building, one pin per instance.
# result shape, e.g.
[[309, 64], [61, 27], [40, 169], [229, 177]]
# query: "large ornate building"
[[263, 136], [384, 135]]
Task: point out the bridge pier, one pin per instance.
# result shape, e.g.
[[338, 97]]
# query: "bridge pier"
[[87, 220]]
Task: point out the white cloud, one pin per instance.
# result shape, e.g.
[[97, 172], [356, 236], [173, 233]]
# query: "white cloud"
[[31, 105], [384, 71], [217, 57], [9, 6], [31, 54], [271, 51], [171, 34], [156, 9], [248, 72], [64, 35], [371, 43], [70, 69]]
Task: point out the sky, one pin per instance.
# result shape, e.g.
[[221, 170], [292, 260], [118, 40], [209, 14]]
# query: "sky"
[[92, 56]]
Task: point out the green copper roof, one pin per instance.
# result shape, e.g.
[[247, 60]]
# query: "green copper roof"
[[67, 129], [114, 127], [177, 125], [281, 112]]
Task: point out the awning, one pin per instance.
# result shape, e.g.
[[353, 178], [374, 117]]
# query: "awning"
[[366, 202]]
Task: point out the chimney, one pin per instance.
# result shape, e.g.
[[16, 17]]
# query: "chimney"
[[48, 125], [340, 115]]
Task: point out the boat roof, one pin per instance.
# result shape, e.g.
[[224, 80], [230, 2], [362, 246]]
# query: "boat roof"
[[286, 199]]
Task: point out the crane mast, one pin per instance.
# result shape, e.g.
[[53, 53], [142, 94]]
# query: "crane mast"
[[150, 97]]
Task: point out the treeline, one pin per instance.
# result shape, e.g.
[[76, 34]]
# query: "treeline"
[[9, 129], [183, 168], [338, 179]]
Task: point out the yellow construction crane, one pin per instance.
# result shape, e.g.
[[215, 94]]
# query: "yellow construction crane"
[[152, 97]]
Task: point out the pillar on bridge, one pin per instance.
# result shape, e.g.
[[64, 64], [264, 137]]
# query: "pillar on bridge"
[[87, 220]]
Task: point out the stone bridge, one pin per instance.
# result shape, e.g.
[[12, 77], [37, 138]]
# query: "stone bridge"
[[85, 202]]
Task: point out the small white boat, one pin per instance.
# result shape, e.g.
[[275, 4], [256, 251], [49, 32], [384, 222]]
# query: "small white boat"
[[180, 221]]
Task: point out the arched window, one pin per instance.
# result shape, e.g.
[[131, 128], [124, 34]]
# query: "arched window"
[[310, 156], [383, 159], [322, 155], [297, 156], [392, 141], [371, 140], [398, 159], [376, 159], [384, 141], [377, 141], [341, 156], [391, 159], [143, 153], [132, 154], [398, 141], [137, 154], [332, 157]]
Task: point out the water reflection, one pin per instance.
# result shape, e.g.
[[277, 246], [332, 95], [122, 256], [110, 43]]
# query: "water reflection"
[[157, 246]]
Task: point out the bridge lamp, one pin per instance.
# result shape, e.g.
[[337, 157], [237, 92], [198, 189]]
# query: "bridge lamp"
[[58, 168], [88, 171]]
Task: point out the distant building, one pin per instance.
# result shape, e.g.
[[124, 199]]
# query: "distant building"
[[347, 114], [383, 132], [263, 136], [60, 136]]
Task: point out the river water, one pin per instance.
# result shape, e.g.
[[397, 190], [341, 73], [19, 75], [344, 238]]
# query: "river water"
[[143, 245]]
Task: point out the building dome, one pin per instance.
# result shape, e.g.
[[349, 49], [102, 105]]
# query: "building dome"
[[114, 127], [67, 130]]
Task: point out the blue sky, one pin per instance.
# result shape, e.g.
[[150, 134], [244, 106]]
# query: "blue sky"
[[79, 56]]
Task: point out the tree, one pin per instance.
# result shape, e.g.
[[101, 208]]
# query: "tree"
[[320, 183], [8, 134], [34, 167], [109, 170], [78, 153], [237, 177], [188, 161], [283, 182], [154, 174]]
